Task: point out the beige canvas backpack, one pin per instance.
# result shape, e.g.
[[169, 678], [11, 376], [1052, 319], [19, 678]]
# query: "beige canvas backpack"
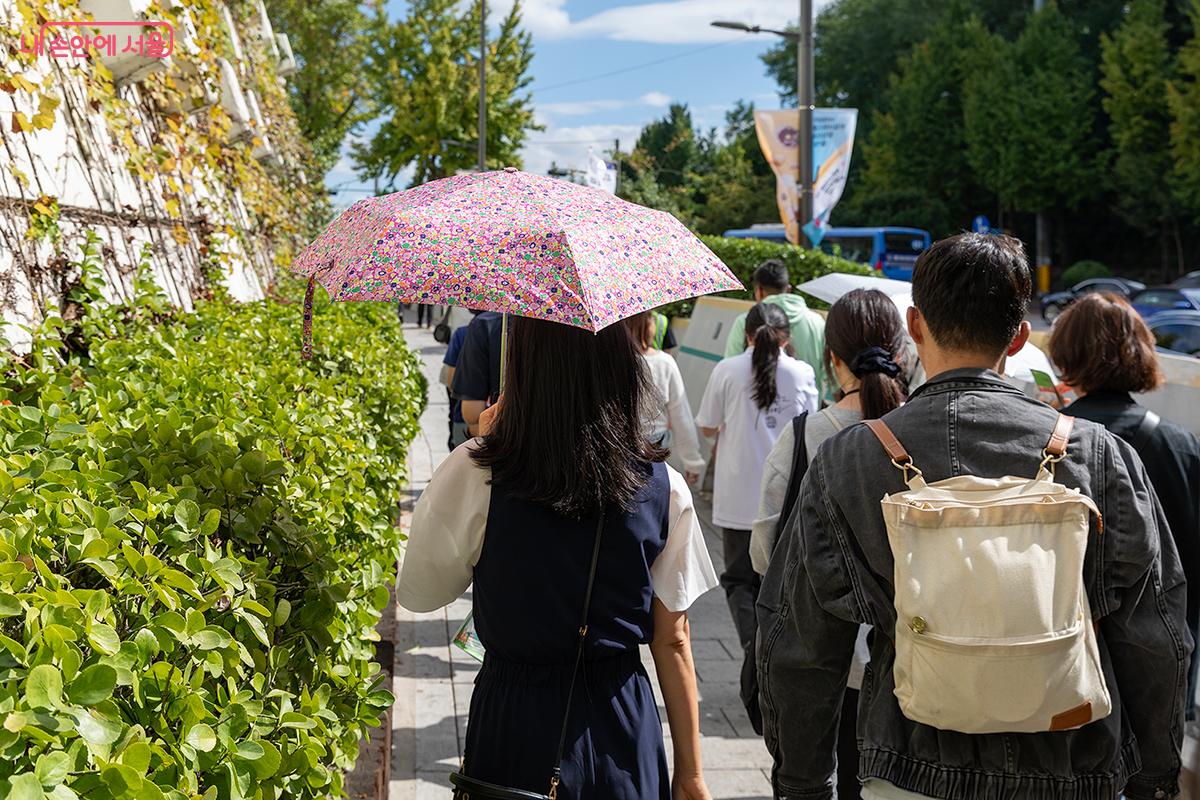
[[994, 631]]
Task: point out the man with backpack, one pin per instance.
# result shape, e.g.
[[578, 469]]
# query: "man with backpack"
[[1027, 602]]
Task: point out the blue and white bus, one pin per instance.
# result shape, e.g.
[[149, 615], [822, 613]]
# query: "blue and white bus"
[[892, 252]]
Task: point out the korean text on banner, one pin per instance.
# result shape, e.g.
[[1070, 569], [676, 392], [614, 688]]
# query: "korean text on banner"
[[833, 143]]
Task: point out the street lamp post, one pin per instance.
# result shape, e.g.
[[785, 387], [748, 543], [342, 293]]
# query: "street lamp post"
[[804, 100], [482, 85]]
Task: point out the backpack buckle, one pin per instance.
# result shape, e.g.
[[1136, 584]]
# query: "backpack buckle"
[[906, 466], [1049, 460]]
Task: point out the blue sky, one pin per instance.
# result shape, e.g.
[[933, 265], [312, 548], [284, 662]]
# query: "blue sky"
[[576, 39]]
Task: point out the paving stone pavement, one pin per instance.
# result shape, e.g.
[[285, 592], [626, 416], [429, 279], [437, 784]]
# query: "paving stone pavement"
[[433, 679]]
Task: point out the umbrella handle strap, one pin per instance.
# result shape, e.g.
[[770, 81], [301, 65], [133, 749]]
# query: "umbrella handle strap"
[[306, 349]]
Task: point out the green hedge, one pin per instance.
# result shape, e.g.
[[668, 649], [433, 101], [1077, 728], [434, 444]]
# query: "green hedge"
[[196, 543], [743, 255]]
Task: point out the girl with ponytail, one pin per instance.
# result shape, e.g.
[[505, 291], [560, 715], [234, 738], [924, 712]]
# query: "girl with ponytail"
[[864, 348], [750, 399]]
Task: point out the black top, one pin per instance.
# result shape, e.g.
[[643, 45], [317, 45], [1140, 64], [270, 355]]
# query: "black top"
[[1172, 459], [477, 376]]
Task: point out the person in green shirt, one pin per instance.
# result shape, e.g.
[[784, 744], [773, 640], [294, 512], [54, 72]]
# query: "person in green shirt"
[[772, 285]]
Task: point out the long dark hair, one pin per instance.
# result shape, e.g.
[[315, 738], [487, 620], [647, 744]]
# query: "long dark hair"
[[767, 326], [569, 433], [640, 329], [865, 331]]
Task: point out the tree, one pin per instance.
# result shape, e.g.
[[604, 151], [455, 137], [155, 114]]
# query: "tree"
[[427, 76], [915, 169], [331, 93], [1183, 96], [1136, 70], [1029, 118], [668, 146]]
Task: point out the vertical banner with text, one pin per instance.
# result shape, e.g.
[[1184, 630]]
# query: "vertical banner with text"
[[833, 143]]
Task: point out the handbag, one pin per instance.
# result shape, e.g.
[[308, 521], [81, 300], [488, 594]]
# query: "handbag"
[[468, 788], [441, 331]]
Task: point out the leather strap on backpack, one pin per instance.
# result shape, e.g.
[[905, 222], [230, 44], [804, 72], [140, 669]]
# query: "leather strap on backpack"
[[1057, 446], [901, 460]]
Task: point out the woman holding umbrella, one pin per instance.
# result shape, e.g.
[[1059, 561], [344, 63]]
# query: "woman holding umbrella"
[[581, 543], [565, 460]]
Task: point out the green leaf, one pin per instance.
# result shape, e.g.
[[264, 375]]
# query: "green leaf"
[[25, 786], [52, 768], [268, 764], [94, 685], [44, 687], [95, 730], [104, 638], [10, 606], [201, 737], [212, 638], [121, 780], [283, 610], [16, 721], [187, 514], [137, 757], [212, 520], [250, 751], [30, 413]]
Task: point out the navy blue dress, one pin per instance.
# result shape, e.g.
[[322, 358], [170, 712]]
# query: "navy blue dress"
[[528, 596]]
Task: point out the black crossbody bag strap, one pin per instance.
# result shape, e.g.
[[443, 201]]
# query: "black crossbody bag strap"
[[799, 467], [556, 776]]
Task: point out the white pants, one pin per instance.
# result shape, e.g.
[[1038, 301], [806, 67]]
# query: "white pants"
[[876, 789]]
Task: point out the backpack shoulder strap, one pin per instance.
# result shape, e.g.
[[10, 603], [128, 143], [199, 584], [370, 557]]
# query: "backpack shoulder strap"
[[1057, 446], [891, 444], [1145, 429], [896, 452]]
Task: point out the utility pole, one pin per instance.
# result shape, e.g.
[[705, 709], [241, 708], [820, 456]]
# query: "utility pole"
[[804, 100], [1043, 224], [482, 85], [617, 161]]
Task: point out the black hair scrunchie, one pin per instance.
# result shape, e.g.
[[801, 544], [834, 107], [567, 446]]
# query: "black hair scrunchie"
[[874, 359]]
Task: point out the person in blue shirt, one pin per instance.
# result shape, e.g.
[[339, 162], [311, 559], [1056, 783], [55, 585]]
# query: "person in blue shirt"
[[476, 381], [458, 426]]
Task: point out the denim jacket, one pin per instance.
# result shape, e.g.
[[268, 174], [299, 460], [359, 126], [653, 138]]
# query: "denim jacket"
[[834, 571]]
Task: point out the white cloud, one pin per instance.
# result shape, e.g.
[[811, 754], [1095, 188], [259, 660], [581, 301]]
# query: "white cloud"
[[581, 107], [656, 99], [666, 22], [567, 147]]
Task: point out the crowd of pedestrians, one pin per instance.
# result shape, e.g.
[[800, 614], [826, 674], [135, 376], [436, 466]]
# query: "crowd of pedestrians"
[[942, 587]]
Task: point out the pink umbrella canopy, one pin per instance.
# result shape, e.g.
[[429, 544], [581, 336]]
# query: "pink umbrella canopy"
[[517, 243]]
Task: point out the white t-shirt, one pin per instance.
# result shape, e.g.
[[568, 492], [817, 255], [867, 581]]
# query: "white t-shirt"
[[747, 433], [450, 518], [672, 406]]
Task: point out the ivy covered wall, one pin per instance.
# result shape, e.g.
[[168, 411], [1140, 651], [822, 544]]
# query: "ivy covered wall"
[[193, 163]]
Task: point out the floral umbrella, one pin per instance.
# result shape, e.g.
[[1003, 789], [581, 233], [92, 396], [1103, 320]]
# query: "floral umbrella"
[[516, 243]]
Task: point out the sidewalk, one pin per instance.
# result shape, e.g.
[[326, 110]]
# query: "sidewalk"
[[433, 679]]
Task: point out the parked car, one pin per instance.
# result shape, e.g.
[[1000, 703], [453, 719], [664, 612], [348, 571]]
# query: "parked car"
[[1177, 332], [1165, 298], [1189, 281], [1054, 303], [890, 251]]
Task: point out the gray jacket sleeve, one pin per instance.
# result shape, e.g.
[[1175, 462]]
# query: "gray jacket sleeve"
[[806, 647], [1142, 598]]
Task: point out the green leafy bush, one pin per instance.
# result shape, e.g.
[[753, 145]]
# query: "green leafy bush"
[[742, 256], [196, 541], [1084, 270]]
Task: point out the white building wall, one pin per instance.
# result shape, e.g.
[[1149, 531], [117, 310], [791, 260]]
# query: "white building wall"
[[81, 163]]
